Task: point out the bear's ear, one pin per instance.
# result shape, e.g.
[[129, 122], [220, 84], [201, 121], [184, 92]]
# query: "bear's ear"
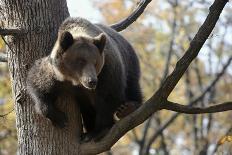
[[100, 42], [66, 40]]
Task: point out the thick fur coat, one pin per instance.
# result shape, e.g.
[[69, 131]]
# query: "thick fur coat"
[[110, 80]]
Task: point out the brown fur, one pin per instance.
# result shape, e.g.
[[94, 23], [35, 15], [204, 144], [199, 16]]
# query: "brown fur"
[[101, 67]]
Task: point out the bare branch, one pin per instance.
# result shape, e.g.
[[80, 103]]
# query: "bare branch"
[[3, 115], [123, 24], [193, 102], [154, 104], [3, 57], [197, 110], [11, 31]]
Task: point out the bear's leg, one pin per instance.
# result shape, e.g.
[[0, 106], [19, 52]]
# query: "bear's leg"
[[104, 121], [133, 90], [88, 115], [45, 105], [101, 124], [57, 117], [133, 99], [104, 118]]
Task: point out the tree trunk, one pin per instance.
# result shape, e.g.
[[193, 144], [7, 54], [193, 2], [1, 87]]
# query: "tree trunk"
[[40, 19]]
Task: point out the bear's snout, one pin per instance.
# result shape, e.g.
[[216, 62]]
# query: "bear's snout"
[[90, 83]]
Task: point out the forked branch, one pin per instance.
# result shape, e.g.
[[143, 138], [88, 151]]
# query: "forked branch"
[[154, 104], [192, 103]]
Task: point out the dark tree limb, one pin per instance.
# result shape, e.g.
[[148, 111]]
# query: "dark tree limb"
[[226, 106], [7, 32], [12, 31], [154, 104], [123, 24], [3, 56]]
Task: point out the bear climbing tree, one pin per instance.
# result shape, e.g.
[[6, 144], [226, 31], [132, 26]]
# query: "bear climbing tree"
[[31, 29], [93, 63]]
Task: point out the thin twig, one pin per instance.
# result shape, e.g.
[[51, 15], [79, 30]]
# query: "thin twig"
[[7, 113]]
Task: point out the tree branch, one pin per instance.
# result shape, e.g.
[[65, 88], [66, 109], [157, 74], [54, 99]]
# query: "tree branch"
[[154, 104], [193, 102], [123, 24], [197, 110], [3, 115], [12, 31]]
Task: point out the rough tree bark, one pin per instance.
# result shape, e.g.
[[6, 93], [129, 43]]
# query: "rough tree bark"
[[40, 19]]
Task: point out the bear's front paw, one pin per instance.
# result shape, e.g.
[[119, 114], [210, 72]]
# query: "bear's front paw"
[[125, 109], [58, 119], [86, 137], [95, 136]]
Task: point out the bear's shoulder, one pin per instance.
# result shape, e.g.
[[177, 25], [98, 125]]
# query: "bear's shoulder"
[[41, 75]]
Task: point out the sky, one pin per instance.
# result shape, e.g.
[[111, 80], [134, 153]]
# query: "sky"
[[84, 8]]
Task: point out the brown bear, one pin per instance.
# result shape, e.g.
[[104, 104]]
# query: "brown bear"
[[96, 65]]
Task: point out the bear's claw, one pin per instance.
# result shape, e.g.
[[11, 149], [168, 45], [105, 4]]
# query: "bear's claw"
[[125, 109]]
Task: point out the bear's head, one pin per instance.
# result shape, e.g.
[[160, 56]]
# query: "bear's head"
[[78, 60]]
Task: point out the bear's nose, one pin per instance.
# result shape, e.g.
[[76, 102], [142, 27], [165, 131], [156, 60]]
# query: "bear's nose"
[[92, 82]]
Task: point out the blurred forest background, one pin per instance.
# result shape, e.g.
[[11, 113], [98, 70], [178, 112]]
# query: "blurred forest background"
[[160, 36]]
